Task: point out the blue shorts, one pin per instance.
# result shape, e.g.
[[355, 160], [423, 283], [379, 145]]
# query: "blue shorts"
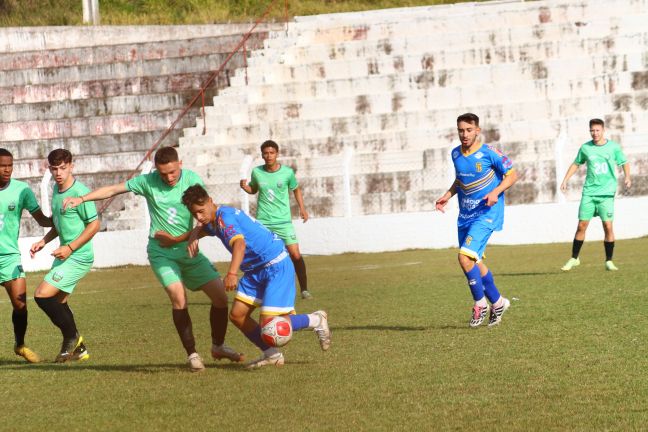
[[272, 287], [473, 239]]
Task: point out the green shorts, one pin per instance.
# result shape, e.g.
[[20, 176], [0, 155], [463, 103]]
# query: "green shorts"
[[173, 264], [285, 231], [10, 268], [601, 206], [65, 275]]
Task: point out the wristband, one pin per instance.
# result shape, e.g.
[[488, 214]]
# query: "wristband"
[[82, 200], [68, 245], [233, 274]]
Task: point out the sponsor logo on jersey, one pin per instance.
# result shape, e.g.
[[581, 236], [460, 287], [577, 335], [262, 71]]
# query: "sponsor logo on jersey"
[[56, 277], [12, 206], [230, 231], [479, 155], [20, 268], [220, 222], [455, 154], [470, 204]]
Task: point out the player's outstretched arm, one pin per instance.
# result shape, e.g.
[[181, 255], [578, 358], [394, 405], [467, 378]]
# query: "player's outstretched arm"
[[570, 172], [300, 202], [42, 220], [194, 236], [39, 245], [64, 251], [97, 194]]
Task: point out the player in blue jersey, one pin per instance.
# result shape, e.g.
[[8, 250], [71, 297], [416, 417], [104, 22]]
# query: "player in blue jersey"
[[16, 196], [268, 281], [482, 175]]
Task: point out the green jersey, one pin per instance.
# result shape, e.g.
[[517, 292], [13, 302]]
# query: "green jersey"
[[164, 202], [71, 222], [601, 160], [14, 197], [273, 204]]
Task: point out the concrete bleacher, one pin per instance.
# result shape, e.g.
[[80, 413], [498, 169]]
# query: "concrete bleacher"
[[107, 94], [389, 85]]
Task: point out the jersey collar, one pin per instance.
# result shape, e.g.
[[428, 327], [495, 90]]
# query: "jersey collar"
[[471, 151]]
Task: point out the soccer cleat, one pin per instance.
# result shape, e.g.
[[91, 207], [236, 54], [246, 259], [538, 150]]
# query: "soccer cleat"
[[276, 359], [27, 354], [322, 330], [225, 352], [573, 262], [69, 350], [496, 313], [609, 265], [80, 353], [306, 295], [478, 315], [195, 363]]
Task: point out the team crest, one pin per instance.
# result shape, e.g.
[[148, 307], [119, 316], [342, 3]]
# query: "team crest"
[[478, 167], [12, 206], [20, 268], [468, 240], [279, 185], [56, 277], [455, 154]]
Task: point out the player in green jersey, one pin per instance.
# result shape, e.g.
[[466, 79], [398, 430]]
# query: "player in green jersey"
[[273, 181], [72, 259], [601, 156], [16, 196], [173, 267]]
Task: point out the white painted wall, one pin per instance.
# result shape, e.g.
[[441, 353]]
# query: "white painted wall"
[[524, 224]]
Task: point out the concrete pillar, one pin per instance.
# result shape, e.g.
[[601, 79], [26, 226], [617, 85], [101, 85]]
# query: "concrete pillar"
[[91, 12]]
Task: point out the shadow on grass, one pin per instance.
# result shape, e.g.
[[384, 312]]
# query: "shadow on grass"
[[381, 327], [152, 368], [552, 272]]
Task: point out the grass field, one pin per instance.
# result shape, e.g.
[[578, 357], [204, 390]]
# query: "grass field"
[[569, 355], [120, 12]]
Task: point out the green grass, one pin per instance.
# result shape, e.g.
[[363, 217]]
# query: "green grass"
[[569, 355], [118, 12]]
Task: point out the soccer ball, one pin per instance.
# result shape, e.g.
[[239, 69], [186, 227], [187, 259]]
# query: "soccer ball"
[[276, 331]]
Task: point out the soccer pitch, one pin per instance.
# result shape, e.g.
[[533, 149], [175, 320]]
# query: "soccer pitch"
[[570, 354]]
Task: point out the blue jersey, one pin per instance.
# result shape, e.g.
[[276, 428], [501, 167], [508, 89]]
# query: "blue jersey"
[[261, 245], [477, 174]]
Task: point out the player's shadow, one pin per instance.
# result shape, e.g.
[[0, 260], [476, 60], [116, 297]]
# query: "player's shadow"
[[152, 368], [529, 273], [380, 328]]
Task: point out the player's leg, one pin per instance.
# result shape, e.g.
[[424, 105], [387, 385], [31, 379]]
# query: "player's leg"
[[467, 259], [279, 299], [300, 269], [586, 211], [17, 291], [198, 273], [241, 317], [605, 210], [218, 318], [52, 296]]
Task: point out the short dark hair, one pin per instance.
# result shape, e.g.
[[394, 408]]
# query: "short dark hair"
[[597, 121], [195, 194], [468, 118], [269, 143], [5, 152], [59, 156], [166, 155]]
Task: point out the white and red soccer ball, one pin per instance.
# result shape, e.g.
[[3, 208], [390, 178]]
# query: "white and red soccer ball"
[[276, 331]]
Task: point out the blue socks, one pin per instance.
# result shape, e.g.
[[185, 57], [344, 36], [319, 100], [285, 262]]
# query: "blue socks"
[[255, 338], [489, 287], [475, 283], [299, 322]]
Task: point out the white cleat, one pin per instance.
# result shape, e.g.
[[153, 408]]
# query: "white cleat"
[[322, 330], [573, 262], [195, 363], [478, 315], [276, 359], [609, 265], [496, 313]]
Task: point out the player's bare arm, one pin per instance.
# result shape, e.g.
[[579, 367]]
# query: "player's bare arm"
[[42, 220], [626, 176], [64, 251], [238, 252], [300, 202], [247, 188], [97, 194], [192, 241], [39, 245], [570, 172], [443, 201], [509, 179]]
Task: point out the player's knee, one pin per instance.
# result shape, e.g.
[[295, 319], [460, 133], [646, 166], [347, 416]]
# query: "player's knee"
[[236, 318]]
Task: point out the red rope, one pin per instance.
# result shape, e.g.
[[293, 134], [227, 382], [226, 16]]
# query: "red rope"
[[198, 95]]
